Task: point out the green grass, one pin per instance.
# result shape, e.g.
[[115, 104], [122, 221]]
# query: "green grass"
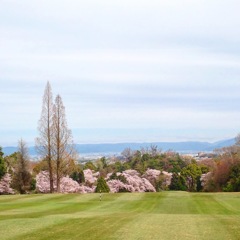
[[166, 215]]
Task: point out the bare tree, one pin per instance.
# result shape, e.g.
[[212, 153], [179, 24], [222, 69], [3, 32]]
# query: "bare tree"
[[22, 177], [154, 150], [62, 140], [44, 143], [127, 153]]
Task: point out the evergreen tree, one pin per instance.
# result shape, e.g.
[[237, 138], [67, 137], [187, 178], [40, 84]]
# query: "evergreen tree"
[[178, 182], [2, 164], [78, 176], [22, 178], [192, 174], [102, 186]]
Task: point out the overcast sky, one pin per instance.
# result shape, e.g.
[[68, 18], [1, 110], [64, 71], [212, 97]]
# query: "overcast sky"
[[127, 70]]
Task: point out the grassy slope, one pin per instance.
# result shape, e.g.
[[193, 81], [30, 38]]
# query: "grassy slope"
[[167, 215]]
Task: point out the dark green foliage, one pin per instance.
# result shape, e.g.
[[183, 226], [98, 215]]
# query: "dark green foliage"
[[204, 168], [178, 182], [113, 176], [78, 176], [191, 173], [199, 185], [2, 164], [22, 182], [33, 184], [123, 190], [146, 157], [176, 163], [90, 165], [233, 184], [118, 166], [102, 186], [120, 178]]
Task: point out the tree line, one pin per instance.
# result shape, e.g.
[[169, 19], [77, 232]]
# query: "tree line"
[[165, 170]]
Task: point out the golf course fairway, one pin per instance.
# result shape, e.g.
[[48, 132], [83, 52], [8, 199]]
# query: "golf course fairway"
[[126, 216]]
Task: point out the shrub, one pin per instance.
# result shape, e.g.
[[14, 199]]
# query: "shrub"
[[102, 186]]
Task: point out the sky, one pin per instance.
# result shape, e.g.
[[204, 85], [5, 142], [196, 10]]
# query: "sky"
[[127, 70]]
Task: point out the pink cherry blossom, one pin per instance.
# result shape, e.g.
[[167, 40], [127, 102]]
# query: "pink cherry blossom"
[[90, 177], [42, 182], [68, 185], [86, 189], [5, 184], [153, 175], [134, 183]]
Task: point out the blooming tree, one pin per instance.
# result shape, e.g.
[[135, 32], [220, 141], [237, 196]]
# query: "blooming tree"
[[90, 176], [5, 184], [67, 184], [134, 183], [42, 182], [86, 189], [167, 178], [160, 179], [127, 181], [118, 186], [152, 175]]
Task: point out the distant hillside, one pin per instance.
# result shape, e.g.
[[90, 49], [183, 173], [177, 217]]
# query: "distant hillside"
[[164, 146], [186, 147], [10, 150]]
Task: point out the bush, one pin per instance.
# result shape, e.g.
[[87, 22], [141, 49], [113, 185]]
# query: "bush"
[[78, 176], [102, 186]]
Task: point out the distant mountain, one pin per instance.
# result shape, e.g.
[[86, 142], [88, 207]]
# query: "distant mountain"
[[9, 150], [182, 147], [224, 143], [164, 146]]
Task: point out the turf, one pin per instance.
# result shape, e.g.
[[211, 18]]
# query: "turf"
[[165, 215]]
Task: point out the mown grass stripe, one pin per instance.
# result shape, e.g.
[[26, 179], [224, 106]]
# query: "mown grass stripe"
[[165, 215]]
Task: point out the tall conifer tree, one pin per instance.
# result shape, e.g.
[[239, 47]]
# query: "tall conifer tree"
[[63, 144], [44, 142]]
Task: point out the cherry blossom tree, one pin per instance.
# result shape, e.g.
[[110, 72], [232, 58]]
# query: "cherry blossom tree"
[[5, 184], [68, 185], [86, 189], [43, 182], [152, 175], [118, 186], [90, 176], [159, 179], [134, 183]]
